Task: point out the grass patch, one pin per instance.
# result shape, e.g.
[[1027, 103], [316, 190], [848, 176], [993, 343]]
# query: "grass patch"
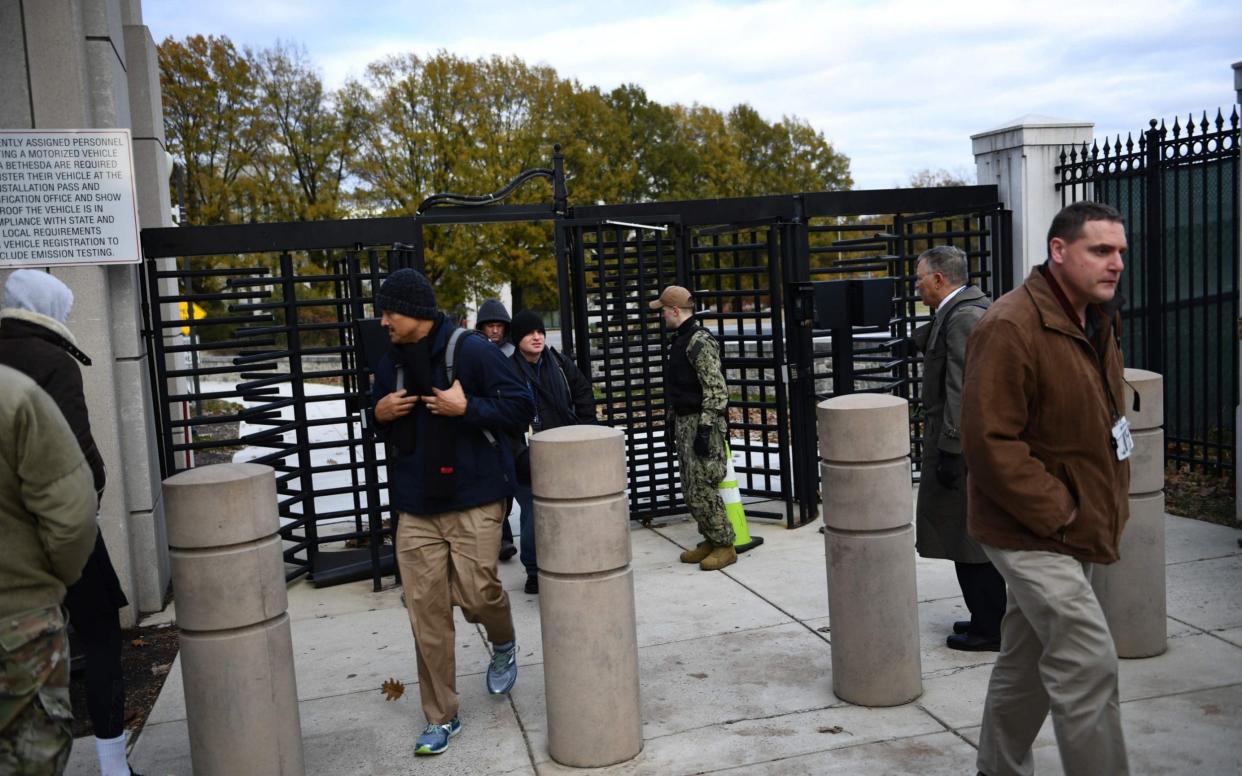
[[1202, 495]]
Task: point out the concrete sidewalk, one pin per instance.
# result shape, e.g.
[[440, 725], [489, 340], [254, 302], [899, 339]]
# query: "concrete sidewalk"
[[736, 675]]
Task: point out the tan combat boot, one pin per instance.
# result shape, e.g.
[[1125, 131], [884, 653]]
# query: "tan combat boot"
[[719, 558], [698, 553]]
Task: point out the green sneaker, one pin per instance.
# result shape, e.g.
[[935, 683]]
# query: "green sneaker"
[[435, 738]]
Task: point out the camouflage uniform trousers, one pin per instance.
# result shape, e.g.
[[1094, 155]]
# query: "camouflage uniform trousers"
[[701, 477], [35, 714]]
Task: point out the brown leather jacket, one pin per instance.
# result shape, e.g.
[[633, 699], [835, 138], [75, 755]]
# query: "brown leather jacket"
[[1038, 409]]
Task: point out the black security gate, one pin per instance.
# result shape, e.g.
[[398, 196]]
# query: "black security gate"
[[748, 261], [1177, 189], [280, 355], [283, 362]]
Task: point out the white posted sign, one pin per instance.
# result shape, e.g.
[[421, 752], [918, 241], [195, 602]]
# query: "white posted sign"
[[67, 197]]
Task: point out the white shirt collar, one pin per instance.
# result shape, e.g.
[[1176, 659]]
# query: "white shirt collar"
[[952, 294]]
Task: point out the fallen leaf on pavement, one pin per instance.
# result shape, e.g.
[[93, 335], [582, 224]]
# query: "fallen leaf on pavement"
[[392, 689]]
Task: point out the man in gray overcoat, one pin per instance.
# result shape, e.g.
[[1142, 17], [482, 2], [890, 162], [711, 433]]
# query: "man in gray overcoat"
[[941, 276]]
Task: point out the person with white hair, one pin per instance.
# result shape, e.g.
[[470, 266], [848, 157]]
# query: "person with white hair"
[[34, 340]]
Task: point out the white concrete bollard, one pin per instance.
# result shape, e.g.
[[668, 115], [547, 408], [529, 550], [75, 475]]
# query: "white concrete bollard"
[[864, 448], [586, 595], [241, 695], [1132, 590]]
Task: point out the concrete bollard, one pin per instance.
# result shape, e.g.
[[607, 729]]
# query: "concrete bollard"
[[864, 448], [1132, 590], [241, 696], [586, 595]]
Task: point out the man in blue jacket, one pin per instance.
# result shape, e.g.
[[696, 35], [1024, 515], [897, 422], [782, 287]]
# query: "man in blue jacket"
[[449, 478]]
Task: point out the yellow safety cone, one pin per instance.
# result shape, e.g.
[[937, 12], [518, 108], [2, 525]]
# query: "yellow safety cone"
[[731, 495]]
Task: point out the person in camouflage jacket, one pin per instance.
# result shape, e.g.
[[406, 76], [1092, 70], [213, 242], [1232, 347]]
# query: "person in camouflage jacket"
[[694, 389], [47, 518]]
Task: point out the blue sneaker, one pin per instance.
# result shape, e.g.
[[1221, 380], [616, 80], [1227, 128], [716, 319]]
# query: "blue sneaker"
[[502, 671], [435, 738]]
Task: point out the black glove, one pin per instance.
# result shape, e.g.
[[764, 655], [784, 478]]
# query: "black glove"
[[701, 440], [949, 468]]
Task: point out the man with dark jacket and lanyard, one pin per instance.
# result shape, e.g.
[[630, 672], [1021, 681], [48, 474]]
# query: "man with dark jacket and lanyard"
[[942, 283], [694, 388], [493, 321], [35, 340], [1047, 448], [563, 397], [450, 477]]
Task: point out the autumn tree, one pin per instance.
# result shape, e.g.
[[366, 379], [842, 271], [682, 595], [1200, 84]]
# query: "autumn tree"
[[262, 139], [213, 124], [301, 167]]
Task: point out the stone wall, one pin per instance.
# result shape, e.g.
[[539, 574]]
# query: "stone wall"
[[82, 64]]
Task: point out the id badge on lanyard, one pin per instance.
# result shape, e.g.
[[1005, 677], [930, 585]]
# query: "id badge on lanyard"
[[1123, 443]]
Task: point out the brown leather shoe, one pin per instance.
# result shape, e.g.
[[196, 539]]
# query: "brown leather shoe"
[[719, 558], [698, 553]]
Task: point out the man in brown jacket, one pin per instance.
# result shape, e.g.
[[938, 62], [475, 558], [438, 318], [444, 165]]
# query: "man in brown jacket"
[[1046, 443]]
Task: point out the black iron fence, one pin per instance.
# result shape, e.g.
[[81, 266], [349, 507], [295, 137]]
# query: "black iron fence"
[[1177, 188]]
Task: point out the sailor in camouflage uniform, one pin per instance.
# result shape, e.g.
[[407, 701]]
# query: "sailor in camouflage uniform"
[[47, 519], [694, 388]]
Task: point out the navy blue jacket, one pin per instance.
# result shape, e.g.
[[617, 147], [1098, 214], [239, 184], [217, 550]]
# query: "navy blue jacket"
[[497, 399]]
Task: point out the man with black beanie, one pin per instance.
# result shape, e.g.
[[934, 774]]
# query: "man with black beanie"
[[563, 397], [449, 477]]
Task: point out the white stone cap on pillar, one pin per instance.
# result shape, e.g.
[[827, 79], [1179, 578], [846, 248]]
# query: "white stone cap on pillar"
[[1237, 79], [221, 504], [862, 427], [578, 462], [1032, 130]]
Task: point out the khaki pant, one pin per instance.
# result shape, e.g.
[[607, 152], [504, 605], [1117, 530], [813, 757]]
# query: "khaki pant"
[[1056, 655], [449, 560]]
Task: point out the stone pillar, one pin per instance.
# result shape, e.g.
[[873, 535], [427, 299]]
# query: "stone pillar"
[[864, 448], [1019, 157], [241, 696], [83, 64], [1131, 591], [586, 595]]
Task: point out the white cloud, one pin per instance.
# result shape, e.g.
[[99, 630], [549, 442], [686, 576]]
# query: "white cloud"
[[897, 85]]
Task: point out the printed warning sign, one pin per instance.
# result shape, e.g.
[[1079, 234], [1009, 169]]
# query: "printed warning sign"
[[67, 197]]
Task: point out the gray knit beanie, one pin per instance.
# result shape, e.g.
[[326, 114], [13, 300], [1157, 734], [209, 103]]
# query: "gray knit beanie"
[[408, 292]]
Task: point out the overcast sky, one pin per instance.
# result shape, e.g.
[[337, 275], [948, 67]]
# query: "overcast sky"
[[896, 85]]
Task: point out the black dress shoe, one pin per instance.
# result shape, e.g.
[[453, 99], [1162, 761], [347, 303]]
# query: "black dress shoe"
[[507, 550], [969, 642], [961, 626], [532, 585]]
